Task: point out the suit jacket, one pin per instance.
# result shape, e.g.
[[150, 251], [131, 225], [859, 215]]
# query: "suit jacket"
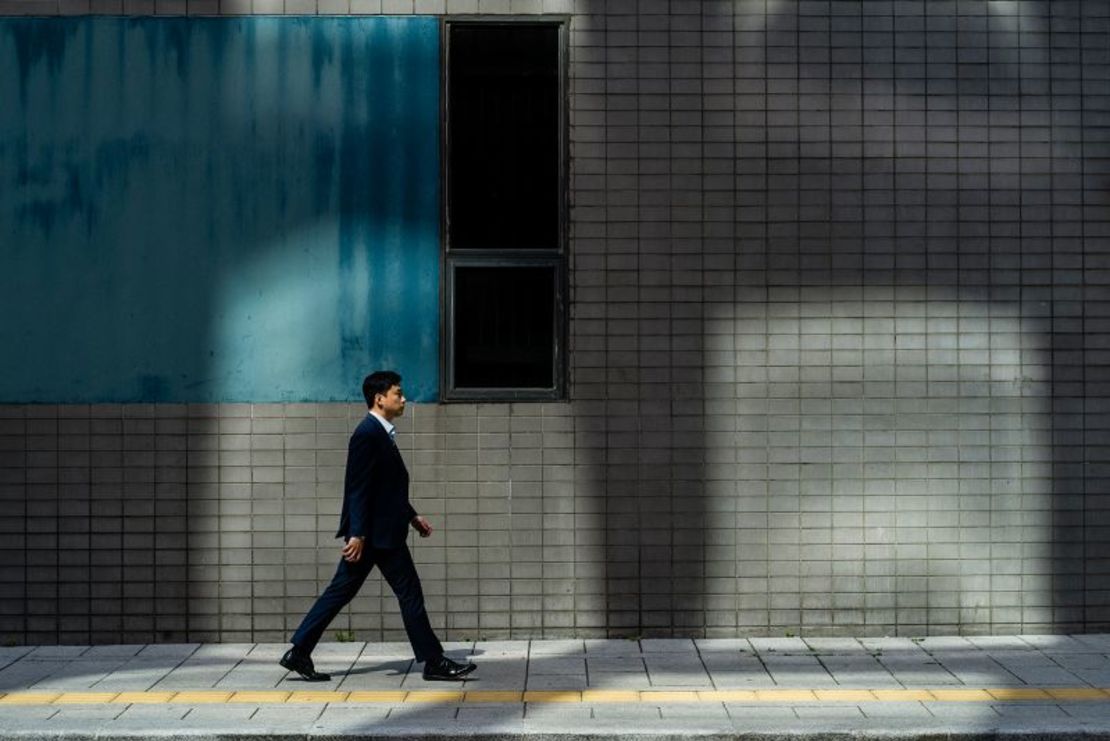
[[375, 489]]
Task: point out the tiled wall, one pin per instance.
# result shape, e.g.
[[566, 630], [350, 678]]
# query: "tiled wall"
[[838, 362], [145, 522]]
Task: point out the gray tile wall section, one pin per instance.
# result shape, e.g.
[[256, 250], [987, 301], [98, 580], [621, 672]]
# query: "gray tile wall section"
[[839, 332]]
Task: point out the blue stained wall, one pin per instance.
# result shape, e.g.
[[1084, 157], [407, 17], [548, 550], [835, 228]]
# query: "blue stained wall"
[[204, 210]]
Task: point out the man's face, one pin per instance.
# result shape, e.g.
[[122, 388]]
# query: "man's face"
[[392, 403]]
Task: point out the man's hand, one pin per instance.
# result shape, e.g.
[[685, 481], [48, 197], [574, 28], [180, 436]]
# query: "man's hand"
[[422, 526], [352, 552]]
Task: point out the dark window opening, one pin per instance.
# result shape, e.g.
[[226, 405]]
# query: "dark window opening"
[[504, 137], [505, 264], [504, 327]]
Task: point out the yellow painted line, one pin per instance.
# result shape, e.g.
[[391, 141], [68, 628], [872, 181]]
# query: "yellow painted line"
[[85, 698], [785, 696], [261, 697], [552, 696], [435, 696], [317, 696], [494, 696], [1019, 693], [668, 696], [903, 695], [200, 697], [597, 696], [844, 695], [726, 695], [377, 696], [143, 698], [29, 698], [603, 696], [1078, 693], [961, 695]]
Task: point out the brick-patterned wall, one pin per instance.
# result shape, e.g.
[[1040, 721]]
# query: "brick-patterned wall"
[[199, 522], [838, 331]]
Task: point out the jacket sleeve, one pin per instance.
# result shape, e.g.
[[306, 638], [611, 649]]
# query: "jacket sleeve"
[[359, 482]]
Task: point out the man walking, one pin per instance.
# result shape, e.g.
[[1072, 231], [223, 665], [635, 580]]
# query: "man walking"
[[374, 524]]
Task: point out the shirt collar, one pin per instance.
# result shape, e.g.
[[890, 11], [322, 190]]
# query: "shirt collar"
[[389, 426]]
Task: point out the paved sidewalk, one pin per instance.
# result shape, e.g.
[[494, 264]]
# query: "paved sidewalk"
[[1043, 686]]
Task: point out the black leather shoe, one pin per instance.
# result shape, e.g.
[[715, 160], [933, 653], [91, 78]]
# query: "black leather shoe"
[[444, 669], [301, 664]]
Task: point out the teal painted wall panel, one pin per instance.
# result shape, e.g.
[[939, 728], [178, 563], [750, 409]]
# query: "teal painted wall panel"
[[218, 209]]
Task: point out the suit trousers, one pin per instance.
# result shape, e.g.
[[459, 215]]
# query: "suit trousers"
[[399, 571]]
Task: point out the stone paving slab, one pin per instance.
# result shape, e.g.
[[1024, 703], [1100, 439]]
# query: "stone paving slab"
[[668, 645], [566, 647], [124, 651], [186, 650], [982, 686]]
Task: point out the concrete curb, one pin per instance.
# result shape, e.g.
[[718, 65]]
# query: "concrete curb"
[[812, 733]]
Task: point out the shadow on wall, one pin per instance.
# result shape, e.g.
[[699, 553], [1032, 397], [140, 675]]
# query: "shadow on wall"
[[850, 318]]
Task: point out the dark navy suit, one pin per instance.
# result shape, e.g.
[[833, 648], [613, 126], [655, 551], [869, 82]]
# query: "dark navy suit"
[[376, 507]]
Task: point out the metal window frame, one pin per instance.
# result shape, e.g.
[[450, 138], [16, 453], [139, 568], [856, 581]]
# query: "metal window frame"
[[455, 258], [515, 393]]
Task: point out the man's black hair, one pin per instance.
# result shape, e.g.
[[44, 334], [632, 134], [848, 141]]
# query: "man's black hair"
[[379, 382]]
